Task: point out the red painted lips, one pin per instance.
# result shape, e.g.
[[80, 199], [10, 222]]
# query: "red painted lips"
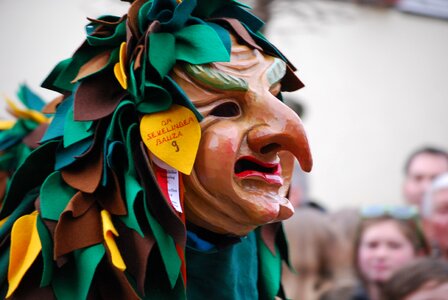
[[248, 166]]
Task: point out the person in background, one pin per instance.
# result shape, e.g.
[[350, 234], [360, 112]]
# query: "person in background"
[[422, 279], [435, 215], [421, 168], [318, 256], [388, 238]]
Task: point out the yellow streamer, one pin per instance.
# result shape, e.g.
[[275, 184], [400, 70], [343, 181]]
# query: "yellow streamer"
[[6, 124], [119, 69], [109, 232], [25, 247], [26, 113]]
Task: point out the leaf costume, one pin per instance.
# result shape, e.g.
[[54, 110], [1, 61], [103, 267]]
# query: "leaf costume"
[[85, 215]]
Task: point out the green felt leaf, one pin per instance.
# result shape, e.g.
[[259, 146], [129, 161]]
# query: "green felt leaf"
[[167, 248], [74, 279], [54, 196], [75, 131], [162, 53], [132, 190], [37, 166], [50, 82], [200, 44], [156, 99], [47, 252], [269, 270]]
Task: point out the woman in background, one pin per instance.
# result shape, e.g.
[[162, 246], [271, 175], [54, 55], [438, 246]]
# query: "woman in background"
[[388, 238]]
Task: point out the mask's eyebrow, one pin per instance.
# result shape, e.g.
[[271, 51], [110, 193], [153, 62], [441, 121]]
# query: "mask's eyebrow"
[[276, 71], [215, 78]]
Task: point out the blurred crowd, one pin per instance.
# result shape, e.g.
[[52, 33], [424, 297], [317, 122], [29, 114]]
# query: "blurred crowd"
[[377, 251]]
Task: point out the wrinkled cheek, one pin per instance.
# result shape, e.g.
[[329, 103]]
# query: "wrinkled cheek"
[[216, 157]]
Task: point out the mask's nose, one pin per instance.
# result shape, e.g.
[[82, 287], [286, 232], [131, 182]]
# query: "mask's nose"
[[282, 131]]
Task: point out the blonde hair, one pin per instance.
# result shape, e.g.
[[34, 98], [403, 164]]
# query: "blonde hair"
[[318, 255]]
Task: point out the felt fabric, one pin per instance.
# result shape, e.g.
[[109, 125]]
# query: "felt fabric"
[[96, 97], [137, 252], [85, 174], [37, 166], [25, 246], [74, 279], [80, 213], [33, 138], [47, 252], [50, 107], [235, 267], [94, 65], [55, 194], [109, 234]]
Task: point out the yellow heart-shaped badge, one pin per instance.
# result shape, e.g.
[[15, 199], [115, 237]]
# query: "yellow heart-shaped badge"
[[172, 136]]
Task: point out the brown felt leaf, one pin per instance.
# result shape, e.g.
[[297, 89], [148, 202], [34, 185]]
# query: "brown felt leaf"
[[33, 138], [85, 174], [97, 96], [133, 17], [94, 65], [74, 233], [135, 250], [290, 81]]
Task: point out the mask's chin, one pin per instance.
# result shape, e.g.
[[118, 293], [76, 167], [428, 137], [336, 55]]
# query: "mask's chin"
[[247, 205]]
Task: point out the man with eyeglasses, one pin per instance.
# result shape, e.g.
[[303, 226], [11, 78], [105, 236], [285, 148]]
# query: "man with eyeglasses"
[[421, 168]]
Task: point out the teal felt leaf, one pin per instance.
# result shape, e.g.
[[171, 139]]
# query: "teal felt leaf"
[[162, 54], [156, 99], [75, 131], [67, 156], [30, 99], [54, 196], [200, 44], [56, 127], [47, 252], [73, 280]]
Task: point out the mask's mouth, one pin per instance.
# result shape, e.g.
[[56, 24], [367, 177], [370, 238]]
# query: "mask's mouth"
[[248, 167]]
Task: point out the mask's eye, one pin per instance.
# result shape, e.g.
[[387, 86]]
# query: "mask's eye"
[[226, 109]]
